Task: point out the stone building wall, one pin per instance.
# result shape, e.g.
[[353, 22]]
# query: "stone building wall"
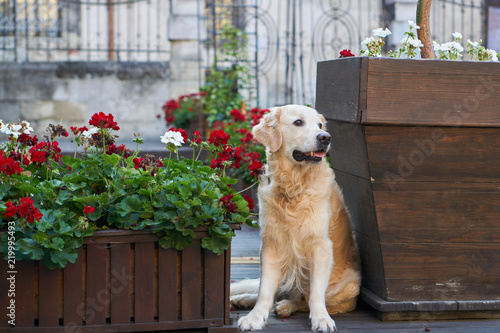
[[69, 93]]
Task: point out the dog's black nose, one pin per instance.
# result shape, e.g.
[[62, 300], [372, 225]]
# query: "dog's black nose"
[[324, 138]]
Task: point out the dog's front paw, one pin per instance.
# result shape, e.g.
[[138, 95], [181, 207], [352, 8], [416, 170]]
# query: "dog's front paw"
[[254, 321], [323, 324]]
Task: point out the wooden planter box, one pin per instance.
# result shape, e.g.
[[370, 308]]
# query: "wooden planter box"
[[416, 150], [123, 281]]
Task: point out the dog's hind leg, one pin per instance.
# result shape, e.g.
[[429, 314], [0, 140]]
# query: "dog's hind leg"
[[244, 294], [290, 304]]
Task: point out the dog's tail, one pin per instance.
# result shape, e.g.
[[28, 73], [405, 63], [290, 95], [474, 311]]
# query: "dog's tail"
[[247, 286]]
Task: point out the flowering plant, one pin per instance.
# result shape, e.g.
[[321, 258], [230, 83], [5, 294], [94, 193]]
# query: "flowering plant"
[[372, 46], [50, 202]]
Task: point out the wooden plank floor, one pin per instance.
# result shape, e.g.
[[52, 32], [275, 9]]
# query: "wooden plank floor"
[[245, 251]]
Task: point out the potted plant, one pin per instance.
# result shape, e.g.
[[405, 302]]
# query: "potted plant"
[[416, 152], [108, 239]]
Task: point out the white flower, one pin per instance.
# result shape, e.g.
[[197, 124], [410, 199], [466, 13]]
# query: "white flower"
[[472, 44], [413, 42], [172, 137], [457, 47], [381, 32], [457, 35], [15, 127], [88, 134], [27, 129], [492, 54], [413, 25], [367, 41]]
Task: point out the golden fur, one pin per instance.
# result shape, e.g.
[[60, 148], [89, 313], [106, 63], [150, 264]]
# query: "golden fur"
[[305, 227]]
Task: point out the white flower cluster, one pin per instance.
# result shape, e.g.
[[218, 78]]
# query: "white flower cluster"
[[478, 52], [410, 42], [450, 50], [172, 137], [16, 129], [372, 46], [88, 134]]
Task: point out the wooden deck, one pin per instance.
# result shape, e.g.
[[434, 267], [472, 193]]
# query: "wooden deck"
[[245, 264]]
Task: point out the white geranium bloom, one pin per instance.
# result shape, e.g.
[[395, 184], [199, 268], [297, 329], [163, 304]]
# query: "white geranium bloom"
[[457, 35], [367, 41], [413, 25], [381, 32], [415, 42], [492, 54], [88, 134], [27, 129], [457, 47], [15, 127], [172, 137], [472, 44]]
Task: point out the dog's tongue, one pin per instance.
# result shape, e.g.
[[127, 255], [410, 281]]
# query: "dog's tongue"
[[319, 154]]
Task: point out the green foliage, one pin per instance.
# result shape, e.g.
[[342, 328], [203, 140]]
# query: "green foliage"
[[73, 197]]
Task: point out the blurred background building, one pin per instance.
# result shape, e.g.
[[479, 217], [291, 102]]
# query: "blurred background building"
[[63, 60]]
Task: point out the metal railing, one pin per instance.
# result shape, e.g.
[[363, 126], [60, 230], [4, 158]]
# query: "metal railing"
[[83, 30]]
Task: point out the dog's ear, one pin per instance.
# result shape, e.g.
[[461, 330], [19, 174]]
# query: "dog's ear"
[[268, 131]]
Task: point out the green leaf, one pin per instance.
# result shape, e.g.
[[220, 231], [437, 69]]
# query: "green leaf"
[[216, 244], [176, 240], [61, 258], [30, 247], [29, 189]]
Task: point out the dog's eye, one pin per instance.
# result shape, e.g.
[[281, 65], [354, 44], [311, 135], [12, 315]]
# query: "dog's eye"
[[320, 125], [297, 122]]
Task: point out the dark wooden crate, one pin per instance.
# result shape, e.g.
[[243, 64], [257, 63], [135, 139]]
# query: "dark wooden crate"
[[416, 149], [123, 281]]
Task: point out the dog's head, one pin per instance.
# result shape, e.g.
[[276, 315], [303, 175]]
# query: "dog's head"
[[299, 131]]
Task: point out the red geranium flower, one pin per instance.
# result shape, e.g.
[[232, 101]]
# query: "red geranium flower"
[[255, 168], [88, 210], [250, 201], [100, 120], [10, 166], [24, 208], [237, 115], [197, 137], [137, 162], [228, 204], [346, 53], [11, 209], [218, 138]]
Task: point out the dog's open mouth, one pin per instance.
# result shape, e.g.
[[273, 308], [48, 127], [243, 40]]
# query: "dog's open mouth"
[[313, 156]]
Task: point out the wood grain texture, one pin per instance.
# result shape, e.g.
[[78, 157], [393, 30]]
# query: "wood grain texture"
[[348, 150], [96, 298], [372, 266], [433, 154], [191, 282], [48, 296], [120, 284], [144, 282], [447, 93], [4, 292], [337, 89], [25, 293], [73, 292], [168, 306], [214, 285]]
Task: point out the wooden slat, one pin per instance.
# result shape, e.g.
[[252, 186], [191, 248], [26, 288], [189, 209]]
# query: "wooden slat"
[[144, 282], [358, 198], [441, 261], [438, 216], [434, 289], [48, 296], [168, 307], [408, 154], [120, 284], [73, 294], [348, 152], [25, 293], [191, 282], [214, 285], [372, 265], [337, 89], [97, 290], [227, 291], [432, 93], [4, 293]]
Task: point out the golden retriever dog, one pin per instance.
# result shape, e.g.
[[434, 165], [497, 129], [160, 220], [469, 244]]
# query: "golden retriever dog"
[[309, 260]]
